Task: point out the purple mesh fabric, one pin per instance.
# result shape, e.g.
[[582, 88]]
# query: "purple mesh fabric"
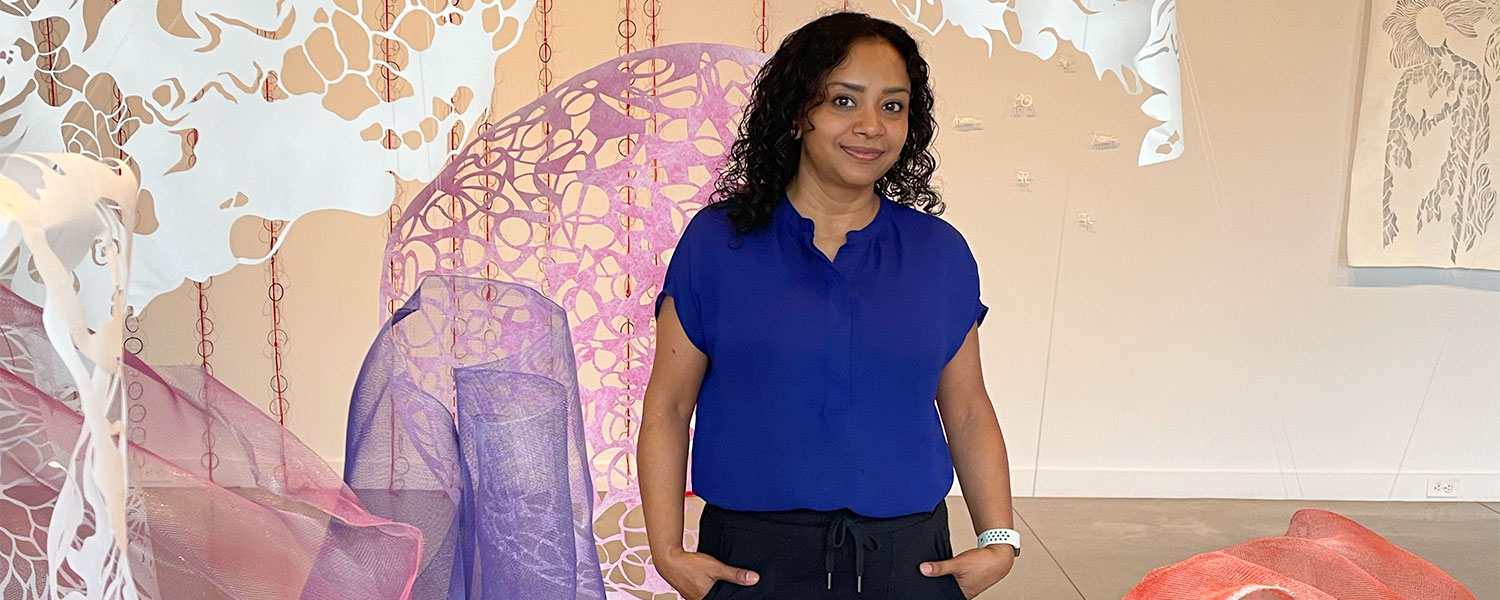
[[503, 492], [581, 194], [223, 503]]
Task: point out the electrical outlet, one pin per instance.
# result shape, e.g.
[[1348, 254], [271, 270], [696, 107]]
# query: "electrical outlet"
[[1442, 488]]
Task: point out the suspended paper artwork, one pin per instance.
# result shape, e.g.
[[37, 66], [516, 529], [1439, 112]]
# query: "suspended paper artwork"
[[203, 100], [70, 210], [1104, 141], [229, 483], [581, 198], [1422, 191], [1023, 106], [1067, 63], [1134, 39]]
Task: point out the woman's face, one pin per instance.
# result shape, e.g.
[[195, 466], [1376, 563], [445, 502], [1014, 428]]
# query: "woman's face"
[[857, 131]]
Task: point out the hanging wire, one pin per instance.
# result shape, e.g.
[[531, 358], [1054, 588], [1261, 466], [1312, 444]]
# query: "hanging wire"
[[761, 31], [205, 331], [277, 338], [626, 31], [544, 79], [1218, 192], [1036, 467]]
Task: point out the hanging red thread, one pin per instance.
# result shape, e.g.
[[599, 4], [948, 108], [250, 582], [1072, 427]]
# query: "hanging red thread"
[[454, 252], [544, 78], [51, 54], [387, 75], [277, 338], [761, 32], [627, 30], [393, 214], [491, 270], [209, 460], [275, 291], [205, 328]]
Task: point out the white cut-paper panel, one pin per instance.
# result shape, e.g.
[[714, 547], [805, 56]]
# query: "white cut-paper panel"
[[71, 210], [197, 74], [1421, 192], [1135, 39]]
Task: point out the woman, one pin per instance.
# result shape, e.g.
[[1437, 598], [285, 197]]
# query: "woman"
[[811, 316]]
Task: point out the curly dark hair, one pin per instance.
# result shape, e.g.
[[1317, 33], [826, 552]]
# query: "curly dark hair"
[[765, 154]]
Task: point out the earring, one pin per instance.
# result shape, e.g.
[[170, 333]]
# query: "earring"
[[797, 134]]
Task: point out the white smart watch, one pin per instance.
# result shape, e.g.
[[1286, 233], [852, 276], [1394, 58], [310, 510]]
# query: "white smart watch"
[[1009, 537]]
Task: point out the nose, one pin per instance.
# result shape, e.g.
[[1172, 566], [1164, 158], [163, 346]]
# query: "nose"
[[868, 123]]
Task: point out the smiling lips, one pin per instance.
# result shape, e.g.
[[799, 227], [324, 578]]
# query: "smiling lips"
[[863, 154]]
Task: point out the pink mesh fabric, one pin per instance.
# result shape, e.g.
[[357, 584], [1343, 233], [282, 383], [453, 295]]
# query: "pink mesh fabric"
[[223, 502], [1323, 556]]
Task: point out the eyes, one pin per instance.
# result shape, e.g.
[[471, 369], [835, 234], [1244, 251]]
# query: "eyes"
[[892, 106]]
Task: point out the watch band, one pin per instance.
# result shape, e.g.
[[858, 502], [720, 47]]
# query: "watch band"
[[1009, 537]]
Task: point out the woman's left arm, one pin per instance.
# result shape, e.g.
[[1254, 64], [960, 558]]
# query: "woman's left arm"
[[978, 450]]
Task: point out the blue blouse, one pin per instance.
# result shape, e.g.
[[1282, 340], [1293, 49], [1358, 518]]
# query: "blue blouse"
[[822, 375]]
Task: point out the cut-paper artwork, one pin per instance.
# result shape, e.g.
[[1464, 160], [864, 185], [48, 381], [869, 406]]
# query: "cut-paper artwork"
[[582, 195], [1134, 39], [1023, 106], [69, 210], [1104, 141], [1422, 190], [248, 110], [1067, 63], [213, 481]]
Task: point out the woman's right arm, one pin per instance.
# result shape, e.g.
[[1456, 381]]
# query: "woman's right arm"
[[662, 450], [662, 453]]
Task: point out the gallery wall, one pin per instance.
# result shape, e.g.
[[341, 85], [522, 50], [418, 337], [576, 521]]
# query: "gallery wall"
[[1186, 329]]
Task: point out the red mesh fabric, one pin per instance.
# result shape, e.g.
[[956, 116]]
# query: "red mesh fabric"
[[1323, 556]]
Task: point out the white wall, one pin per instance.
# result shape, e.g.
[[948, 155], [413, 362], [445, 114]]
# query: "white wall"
[[1205, 340]]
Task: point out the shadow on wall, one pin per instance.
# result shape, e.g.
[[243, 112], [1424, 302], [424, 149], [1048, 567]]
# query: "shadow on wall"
[[1376, 277]]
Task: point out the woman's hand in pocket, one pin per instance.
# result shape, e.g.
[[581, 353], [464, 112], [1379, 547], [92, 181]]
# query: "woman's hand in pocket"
[[693, 574], [976, 569]]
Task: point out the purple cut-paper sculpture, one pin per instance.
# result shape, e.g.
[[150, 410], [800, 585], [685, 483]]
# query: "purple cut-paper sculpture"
[[580, 194], [222, 502], [504, 497]]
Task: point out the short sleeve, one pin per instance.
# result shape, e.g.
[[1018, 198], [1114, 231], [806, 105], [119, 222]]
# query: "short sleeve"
[[966, 308], [680, 285]]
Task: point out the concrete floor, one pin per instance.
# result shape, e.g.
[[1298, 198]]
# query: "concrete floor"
[[1098, 549]]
